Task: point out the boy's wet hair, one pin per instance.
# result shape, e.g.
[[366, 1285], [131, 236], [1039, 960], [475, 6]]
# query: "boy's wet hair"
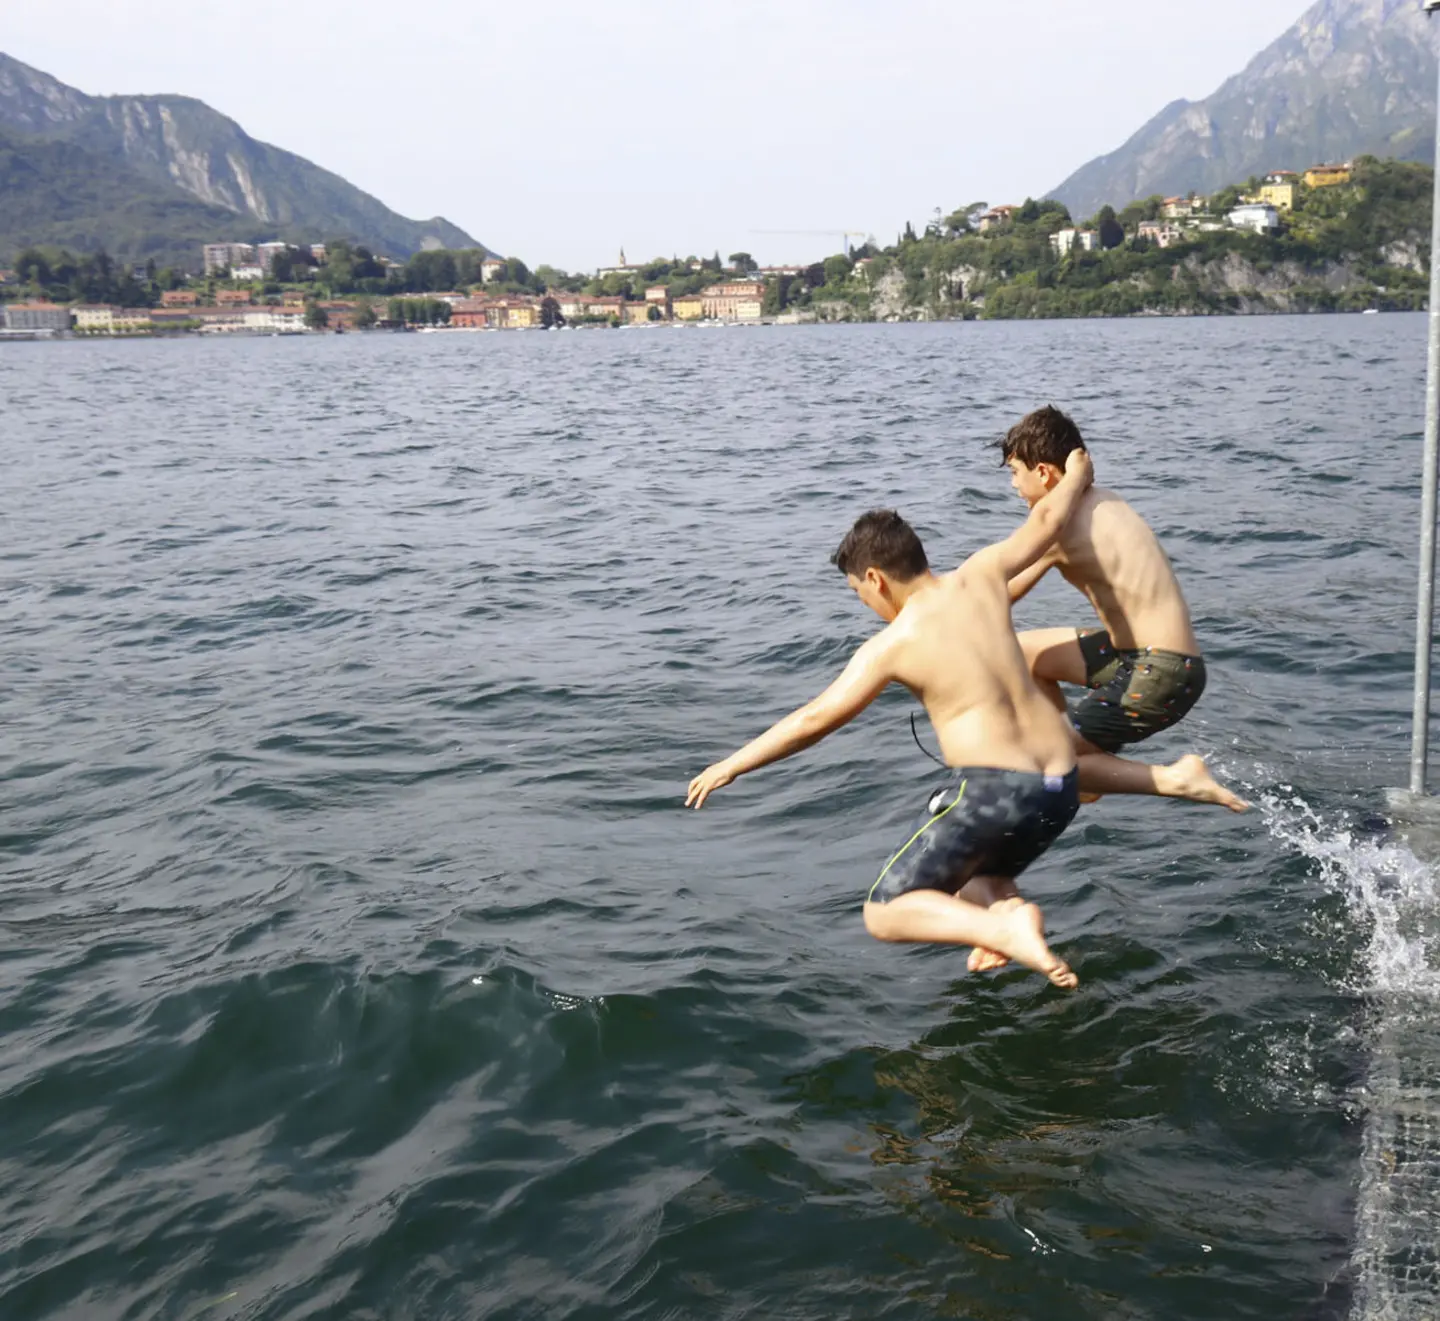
[[882, 540], [1044, 436]]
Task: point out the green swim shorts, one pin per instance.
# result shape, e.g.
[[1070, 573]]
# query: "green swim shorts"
[[1134, 693]]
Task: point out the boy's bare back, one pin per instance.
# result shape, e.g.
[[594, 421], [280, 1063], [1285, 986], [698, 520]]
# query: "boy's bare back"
[[955, 648], [1108, 552]]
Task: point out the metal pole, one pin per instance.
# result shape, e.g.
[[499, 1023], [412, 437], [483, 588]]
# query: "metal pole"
[[1425, 606]]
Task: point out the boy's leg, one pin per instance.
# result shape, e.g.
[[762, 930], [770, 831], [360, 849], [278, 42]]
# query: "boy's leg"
[[1054, 657], [1188, 778], [988, 891], [1012, 928]]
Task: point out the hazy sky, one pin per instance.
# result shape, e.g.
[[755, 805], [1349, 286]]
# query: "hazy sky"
[[559, 130]]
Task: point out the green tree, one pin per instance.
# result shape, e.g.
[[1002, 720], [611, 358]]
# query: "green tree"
[[1223, 202], [364, 314], [32, 267], [316, 317], [1111, 231], [837, 269], [550, 313], [654, 313], [743, 262], [552, 277], [431, 270], [777, 295]]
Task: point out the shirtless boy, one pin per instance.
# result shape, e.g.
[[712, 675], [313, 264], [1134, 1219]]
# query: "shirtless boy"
[[949, 639], [1143, 668]]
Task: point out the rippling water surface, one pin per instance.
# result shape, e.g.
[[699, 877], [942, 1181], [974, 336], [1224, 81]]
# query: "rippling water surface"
[[360, 961]]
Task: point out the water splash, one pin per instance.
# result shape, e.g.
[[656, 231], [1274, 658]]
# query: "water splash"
[[1387, 889], [1391, 892]]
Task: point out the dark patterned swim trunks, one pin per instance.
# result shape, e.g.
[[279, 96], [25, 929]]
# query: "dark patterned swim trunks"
[[985, 823], [1136, 693]]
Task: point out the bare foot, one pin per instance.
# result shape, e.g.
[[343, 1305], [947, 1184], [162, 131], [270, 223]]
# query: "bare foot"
[[1023, 939], [985, 960], [1190, 778]]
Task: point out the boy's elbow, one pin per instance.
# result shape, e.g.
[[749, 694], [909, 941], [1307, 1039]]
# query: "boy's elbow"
[[1047, 521], [815, 723]]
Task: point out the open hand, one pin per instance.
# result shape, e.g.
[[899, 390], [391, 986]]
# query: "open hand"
[[703, 785], [1078, 461]]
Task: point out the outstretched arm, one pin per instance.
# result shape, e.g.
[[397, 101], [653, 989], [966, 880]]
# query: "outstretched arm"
[[1035, 536], [859, 684], [1022, 583]]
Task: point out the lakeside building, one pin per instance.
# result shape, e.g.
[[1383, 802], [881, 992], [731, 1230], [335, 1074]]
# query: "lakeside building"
[[638, 314], [997, 215], [1063, 241], [1279, 189], [1161, 233], [738, 300], [265, 254], [1327, 176], [1182, 208], [250, 273], [607, 307], [220, 256], [572, 306], [470, 314], [37, 316], [1260, 217], [491, 269], [94, 317], [104, 319], [178, 298], [688, 307], [274, 320], [771, 272], [624, 268]]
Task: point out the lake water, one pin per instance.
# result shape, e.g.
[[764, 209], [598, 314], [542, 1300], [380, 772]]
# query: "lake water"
[[360, 961]]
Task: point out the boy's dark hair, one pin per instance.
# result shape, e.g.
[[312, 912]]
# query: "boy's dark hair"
[[1044, 436], [883, 540]]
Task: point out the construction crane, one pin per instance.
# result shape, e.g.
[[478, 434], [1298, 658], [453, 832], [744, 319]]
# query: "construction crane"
[[845, 234]]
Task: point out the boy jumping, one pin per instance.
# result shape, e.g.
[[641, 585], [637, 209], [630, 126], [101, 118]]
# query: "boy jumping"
[[949, 639], [1143, 668]]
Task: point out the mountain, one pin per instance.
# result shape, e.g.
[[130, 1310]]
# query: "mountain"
[[1352, 77], [60, 193], [177, 149]]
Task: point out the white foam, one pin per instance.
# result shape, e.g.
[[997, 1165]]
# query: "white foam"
[[1393, 896]]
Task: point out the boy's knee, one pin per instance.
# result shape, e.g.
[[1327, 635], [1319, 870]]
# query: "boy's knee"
[[877, 921]]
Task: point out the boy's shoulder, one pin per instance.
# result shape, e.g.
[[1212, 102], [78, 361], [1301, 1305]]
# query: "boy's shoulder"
[[1103, 503]]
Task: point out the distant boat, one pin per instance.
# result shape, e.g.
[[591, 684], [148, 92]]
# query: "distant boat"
[[1371, 311]]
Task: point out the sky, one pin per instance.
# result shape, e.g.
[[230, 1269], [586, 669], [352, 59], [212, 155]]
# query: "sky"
[[561, 131]]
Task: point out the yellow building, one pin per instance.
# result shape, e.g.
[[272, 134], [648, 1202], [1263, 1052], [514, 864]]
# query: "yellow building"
[[95, 318], [638, 314], [1279, 189], [689, 307], [1280, 195], [132, 319], [737, 300], [521, 316], [1327, 176]]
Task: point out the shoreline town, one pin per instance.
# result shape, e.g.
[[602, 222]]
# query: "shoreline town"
[[253, 300]]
